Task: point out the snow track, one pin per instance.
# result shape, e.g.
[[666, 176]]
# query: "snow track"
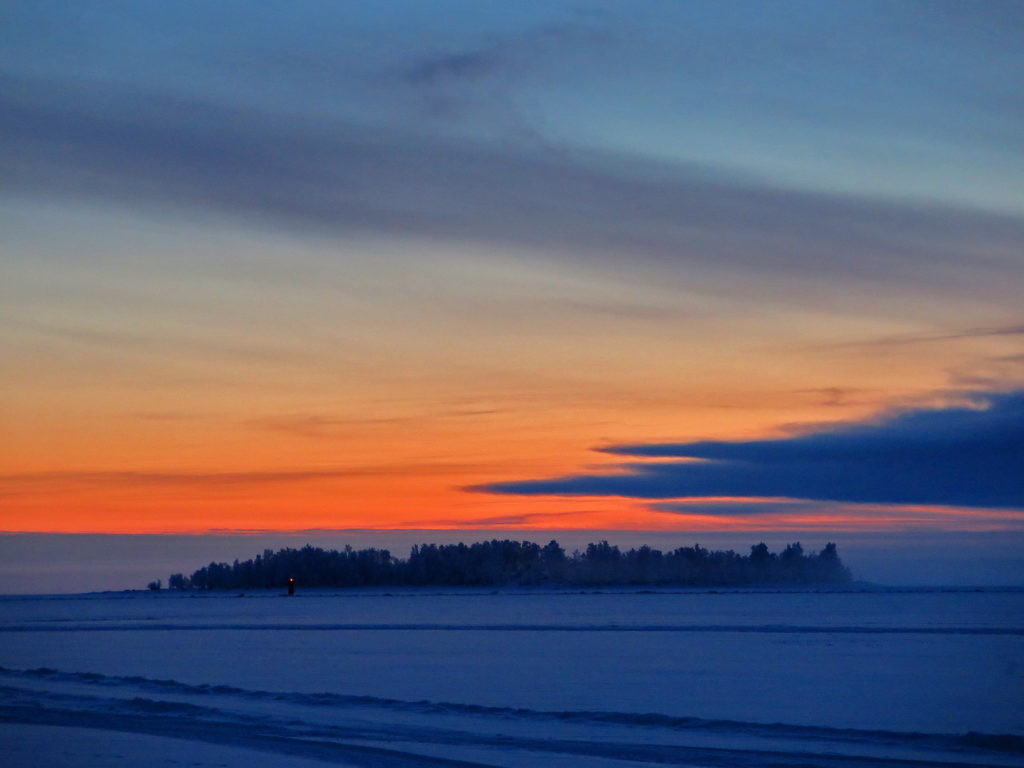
[[364, 730], [775, 629]]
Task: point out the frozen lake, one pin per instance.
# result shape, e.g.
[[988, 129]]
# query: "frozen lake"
[[515, 678]]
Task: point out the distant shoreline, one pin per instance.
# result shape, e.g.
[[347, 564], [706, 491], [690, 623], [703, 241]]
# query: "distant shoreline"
[[513, 590], [501, 563]]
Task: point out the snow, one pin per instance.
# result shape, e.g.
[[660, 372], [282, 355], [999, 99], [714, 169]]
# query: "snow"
[[63, 747], [514, 677]]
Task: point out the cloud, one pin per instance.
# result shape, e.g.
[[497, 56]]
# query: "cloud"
[[164, 153], [738, 508], [958, 456], [839, 396], [509, 52], [925, 338], [36, 482], [454, 66], [316, 425], [160, 343]]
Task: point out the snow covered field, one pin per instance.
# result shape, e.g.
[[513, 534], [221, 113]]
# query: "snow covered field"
[[514, 678]]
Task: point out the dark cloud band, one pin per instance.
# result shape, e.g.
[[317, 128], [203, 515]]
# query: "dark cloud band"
[[964, 456], [152, 149]]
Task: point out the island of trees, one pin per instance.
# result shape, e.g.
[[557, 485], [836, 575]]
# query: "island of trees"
[[493, 563]]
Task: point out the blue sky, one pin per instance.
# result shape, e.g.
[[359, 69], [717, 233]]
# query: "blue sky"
[[907, 101]]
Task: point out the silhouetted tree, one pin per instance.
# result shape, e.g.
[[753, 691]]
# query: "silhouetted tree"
[[517, 562], [177, 581]]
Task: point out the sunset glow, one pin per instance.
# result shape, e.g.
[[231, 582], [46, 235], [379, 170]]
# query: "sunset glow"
[[433, 270]]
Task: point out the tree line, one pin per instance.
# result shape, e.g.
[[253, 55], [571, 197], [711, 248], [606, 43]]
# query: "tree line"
[[491, 563]]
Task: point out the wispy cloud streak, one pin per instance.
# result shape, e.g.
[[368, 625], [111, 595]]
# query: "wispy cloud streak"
[[63, 480], [151, 149], [926, 338]]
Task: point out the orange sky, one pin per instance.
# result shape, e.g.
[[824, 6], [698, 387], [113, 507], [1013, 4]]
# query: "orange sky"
[[262, 282], [144, 427]]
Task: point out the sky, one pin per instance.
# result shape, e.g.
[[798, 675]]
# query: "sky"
[[695, 269]]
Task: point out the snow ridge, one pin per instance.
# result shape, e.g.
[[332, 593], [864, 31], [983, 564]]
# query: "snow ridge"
[[126, 709]]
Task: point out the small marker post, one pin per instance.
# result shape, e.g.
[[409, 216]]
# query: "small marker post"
[[291, 586]]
